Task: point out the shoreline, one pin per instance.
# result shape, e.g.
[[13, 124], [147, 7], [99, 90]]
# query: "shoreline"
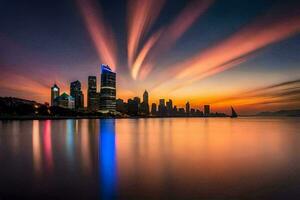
[[2, 118], [7, 118]]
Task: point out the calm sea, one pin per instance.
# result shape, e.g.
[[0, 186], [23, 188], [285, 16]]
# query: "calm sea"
[[169, 158]]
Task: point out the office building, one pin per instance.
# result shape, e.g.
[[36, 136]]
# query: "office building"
[[54, 93], [108, 90], [206, 110], [76, 93], [133, 107], [169, 106], [65, 101], [144, 107], [92, 95]]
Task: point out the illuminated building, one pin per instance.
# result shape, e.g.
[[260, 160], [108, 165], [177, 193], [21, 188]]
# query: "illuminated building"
[[76, 93], [54, 93], [92, 95], [65, 101], [206, 110], [108, 90]]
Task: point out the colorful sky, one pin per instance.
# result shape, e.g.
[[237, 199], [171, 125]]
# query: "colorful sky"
[[219, 52]]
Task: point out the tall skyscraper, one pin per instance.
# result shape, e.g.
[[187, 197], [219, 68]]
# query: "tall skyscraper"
[[76, 93], [206, 110], [187, 107], [93, 96], [144, 108], [54, 93], [146, 97], [108, 89]]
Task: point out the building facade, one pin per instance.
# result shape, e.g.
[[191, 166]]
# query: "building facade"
[[54, 93], [92, 95], [108, 90], [206, 110], [65, 101], [76, 93]]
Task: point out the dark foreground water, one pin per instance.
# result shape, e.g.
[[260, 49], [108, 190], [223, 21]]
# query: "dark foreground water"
[[180, 158]]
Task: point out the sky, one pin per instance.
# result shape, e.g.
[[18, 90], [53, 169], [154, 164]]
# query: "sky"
[[224, 53]]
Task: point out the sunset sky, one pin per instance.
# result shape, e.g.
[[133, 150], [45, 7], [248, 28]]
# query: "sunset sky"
[[244, 53]]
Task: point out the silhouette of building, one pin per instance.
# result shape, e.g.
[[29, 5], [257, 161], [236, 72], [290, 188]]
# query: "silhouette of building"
[[144, 107], [153, 109], [162, 107], [65, 101], [133, 107], [137, 99], [187, 108], [175, 111], [169, 106], [121, 106], [76, 93], [108, 89], [181, 111], [92, 95], [55, 92], [206, 110]]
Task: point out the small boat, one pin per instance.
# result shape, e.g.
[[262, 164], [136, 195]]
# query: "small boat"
[[233, 113]]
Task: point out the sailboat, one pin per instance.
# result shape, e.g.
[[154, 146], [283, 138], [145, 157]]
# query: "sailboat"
[[233, 113]]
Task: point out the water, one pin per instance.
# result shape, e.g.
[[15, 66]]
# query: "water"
[[179, 158]]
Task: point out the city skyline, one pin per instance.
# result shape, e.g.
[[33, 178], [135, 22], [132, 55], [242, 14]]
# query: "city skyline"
[[222, 53]]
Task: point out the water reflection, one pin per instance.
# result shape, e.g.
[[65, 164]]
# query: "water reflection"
[[107, 158], [70, 137], [85, 146], [36, 147], [151, 158], [47, 140]]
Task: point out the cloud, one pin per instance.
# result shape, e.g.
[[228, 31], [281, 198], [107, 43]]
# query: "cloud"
[[99, 31]]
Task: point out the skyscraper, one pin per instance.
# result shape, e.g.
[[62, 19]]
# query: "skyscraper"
[[76, 93], [187, 107], [93, 96], [206, 110], [108, 89], [144, 108], [161, 107], [146, 97], [54, 93]]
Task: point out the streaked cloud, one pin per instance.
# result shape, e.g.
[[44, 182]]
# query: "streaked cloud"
[[261, 33], [141, 15], [99, 31], [168, 36]]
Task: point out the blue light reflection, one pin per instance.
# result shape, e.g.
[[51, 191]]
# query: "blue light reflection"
[[107, 158]]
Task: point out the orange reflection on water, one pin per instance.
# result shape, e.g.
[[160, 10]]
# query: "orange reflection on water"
[[36, 147], [48, 145], [85, 147], [210, 153]]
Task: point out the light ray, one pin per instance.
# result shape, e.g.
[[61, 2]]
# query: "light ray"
[[99, 31], [141, 15]]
